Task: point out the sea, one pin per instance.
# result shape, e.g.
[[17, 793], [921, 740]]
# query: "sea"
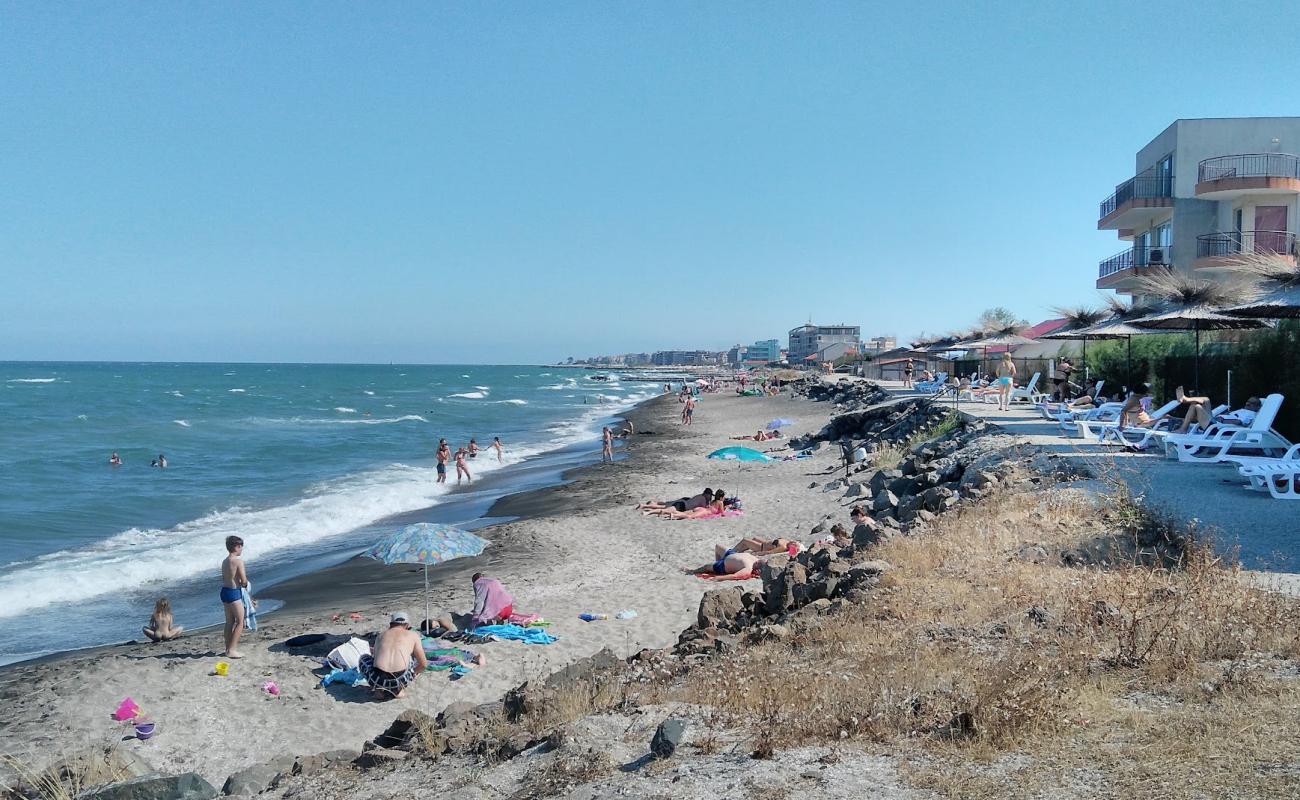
[[308, 463]]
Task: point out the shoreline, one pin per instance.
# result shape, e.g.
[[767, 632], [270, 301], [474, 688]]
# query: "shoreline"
[[585, 550]]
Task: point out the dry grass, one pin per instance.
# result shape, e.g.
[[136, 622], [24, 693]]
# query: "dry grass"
[[70, 775], [890, 456], [565, 772], [1157, 672]]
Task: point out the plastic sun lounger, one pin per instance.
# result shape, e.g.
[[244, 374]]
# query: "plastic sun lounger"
[[940, 380], [1220, 440], [1257, 470], [1140, 438], [1028, 394], [1083, 422], [1106, 429], [1053, 411]]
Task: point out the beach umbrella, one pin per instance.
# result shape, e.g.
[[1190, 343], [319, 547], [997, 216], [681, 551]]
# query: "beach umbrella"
[[426, 543], [1194, 304], [779, 423], [739, 454], [1006, 338]]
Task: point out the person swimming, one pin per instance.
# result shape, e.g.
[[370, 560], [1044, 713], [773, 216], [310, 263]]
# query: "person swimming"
[[115, 460]]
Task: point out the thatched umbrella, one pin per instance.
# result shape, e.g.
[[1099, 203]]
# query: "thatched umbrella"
[[1277, 280], [1115, 326], [1077, 318], [1194, 304], [1006, 337]]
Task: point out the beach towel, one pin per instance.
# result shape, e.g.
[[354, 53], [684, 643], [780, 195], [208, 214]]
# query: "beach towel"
[[351, 677], [491, 600], [739, 576], [517, 633], [731, 512], [524, 620], [250, 611]]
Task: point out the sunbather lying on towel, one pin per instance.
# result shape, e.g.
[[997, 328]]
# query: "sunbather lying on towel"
[[714, 508], [681, 504], [732, 566], [759, 547], [761, 436]]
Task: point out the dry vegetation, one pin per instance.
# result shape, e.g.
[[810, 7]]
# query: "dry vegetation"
[[1137, 679]]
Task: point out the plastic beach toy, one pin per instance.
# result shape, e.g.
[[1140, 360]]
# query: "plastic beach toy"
[[626, 614], [592, 617], [271, 688], [222, 668], [126, 710], [144, 730]]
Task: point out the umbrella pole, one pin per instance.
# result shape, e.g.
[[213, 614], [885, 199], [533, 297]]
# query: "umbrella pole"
[[1128, 363], [1196, 362], [426, 592]]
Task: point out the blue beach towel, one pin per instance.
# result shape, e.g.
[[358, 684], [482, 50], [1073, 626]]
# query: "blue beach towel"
[[517, 633], [250, 613], [352, 677]]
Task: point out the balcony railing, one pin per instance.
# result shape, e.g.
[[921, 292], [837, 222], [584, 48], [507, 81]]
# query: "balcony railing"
[[1142, 186], [1233, 243], [1135, 257], [1250, 165]]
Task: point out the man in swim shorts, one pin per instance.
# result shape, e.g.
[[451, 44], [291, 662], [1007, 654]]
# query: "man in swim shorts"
[[233, 580], [444, 455], [397, 660], [732, 563]]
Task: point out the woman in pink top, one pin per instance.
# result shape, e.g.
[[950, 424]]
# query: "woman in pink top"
[[492, 603]]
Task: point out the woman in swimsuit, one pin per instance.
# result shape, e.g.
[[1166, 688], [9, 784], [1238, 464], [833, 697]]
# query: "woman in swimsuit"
[[462, 467], [713, 509], [1006, 379]]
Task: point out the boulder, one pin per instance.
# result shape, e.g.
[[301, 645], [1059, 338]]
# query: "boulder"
[[908, 484], [881, 480], [406, 728], [936, 499], [186, 786], [319, 762], [667, 737], [379, 757], [719, 607], [883, 500], [257, 778], [1033, 553], [857, 490]]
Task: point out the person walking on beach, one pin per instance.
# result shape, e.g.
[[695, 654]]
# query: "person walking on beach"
[[496, 445], [234, 579], [607, 446], [908, 369], [461, 466], [688, 413], [1006, 380], [444, 455]]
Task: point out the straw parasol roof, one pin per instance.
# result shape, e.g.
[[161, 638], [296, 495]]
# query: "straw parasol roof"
[[1277, 279], [1193, 304]]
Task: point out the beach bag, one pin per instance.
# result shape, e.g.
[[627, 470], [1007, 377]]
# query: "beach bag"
[[348, 655]]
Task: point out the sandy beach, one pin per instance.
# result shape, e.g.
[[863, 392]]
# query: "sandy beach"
[[579, 548]]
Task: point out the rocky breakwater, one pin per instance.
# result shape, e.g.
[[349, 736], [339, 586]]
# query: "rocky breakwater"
[[848, 395]]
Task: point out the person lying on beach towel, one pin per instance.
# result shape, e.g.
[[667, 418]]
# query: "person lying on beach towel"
[[761, 436], [715, 508], [758, 547], [732, 566], [680, 504]]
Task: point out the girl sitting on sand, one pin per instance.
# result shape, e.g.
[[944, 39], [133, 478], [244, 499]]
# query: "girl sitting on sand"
[[160, 627]]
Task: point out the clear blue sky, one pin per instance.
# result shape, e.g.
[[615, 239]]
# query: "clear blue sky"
[[525, 181]]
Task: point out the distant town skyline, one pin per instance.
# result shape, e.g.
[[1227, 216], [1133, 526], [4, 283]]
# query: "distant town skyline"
[[498, 183]]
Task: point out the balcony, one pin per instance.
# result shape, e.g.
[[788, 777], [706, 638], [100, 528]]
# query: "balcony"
[[1136, 202], [1121, 271], [1214, 250], [1254, 173]]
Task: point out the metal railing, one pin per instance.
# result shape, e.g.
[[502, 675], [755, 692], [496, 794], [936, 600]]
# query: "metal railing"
[[1232, 243], [1136, 257], [1249, 165], [1141, 186]]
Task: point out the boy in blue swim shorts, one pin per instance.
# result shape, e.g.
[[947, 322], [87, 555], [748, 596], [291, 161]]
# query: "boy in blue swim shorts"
[[234, 578]]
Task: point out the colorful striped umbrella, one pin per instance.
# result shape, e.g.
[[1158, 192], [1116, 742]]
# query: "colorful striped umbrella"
[[426, 543]]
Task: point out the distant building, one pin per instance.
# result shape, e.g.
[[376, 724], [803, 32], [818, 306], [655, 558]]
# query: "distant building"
[[766, 351], [879, 344], [684, 358], [808, 340], [737, 354], [832, 352], [636, 359]]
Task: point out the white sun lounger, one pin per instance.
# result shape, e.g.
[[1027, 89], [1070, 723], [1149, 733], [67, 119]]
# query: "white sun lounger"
[[940, 380], [1053, 410], [1140, 438], [1221, 440], [1028, 394], [1082, 422]]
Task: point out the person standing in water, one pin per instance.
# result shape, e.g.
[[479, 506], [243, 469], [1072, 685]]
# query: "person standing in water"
[[462, 467], [496, 445], [444, 455], [115, 460], [473, 448], [234, 579]]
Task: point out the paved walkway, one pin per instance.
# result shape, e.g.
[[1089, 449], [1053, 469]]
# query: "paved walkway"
[[1267, 531]]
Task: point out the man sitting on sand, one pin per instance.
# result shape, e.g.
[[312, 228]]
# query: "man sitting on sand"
[[732, 566], [398, 658], [492, 603]]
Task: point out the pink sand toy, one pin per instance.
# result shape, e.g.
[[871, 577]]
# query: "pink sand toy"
[[271, 688], [127, 710]]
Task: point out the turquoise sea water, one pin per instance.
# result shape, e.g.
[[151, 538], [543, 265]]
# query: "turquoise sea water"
[[303, 461]]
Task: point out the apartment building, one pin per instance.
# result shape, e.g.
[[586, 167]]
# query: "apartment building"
[[879, 344], [807, 340], [1203, 191]]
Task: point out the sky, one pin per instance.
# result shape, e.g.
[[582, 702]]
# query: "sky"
[[520, 182]]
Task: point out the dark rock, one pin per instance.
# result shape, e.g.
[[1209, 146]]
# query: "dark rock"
[[881, 480], [905, 485], [406, 727], [866, 533], [186, 786], [857, 490], [256, 779], [883, 500], [719, 607], [934, 499], [379, 757], [819, 528], [1033, 553], [667, 737]]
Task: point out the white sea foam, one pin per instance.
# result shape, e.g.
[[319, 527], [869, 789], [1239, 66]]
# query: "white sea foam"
[[237, 391], [182, 423], [512, 402], [176, 392], [483, 388], [469, 395], [345, 410], [280, 421], [82, 417], [367, 391], [137, 558], [464, 376], [32, 380]]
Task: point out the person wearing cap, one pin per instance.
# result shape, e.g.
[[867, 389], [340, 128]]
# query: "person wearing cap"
[[398, 657]]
